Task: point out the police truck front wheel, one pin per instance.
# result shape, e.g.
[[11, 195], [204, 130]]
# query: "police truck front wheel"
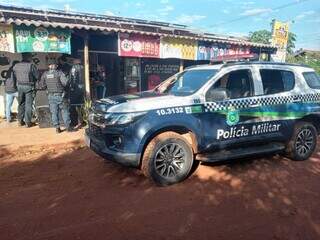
[[167, 159], [303, 142]]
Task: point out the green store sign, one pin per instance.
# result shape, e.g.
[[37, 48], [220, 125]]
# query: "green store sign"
[[41, 39]]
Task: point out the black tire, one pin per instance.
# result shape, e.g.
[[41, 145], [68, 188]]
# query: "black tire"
[[167, 159], [303, 142]]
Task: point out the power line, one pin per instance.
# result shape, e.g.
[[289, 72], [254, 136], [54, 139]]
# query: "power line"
[[259, 13]]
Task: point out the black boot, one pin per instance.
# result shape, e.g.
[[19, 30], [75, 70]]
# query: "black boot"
[[21, 123], [29, 125], [58, 130], [70, 129]]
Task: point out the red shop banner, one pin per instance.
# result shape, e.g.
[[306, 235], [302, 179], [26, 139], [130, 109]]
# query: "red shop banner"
[[137, 45]]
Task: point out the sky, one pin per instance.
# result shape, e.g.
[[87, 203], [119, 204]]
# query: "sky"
[[229, 17]]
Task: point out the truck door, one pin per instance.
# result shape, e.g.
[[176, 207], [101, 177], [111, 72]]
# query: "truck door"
[[226, 99], [279, 105]]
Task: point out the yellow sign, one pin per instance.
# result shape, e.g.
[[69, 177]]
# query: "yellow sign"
[[6, 38], [178, 48], [280, 34]]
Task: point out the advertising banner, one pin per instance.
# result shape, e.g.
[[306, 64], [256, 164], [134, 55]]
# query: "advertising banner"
[[280, 34], [216, 52], [178, 48], [6, 38], [137, 45], [41, 39], [154, 71]]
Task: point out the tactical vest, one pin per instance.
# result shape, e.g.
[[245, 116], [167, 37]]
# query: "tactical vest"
[[23, 73], [10, 85], [53, 82]]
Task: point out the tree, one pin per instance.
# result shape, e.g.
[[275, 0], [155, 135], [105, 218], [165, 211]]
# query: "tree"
[[264, 36], [291, 42], [261, 36]]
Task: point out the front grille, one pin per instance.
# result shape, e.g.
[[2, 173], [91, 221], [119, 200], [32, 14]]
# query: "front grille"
[[95, 131]]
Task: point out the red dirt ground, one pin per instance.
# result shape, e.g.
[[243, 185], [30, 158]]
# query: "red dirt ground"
[[53, 187]]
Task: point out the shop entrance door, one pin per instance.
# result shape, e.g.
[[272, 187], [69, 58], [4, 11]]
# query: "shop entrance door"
[[132, 75], [104, 74]]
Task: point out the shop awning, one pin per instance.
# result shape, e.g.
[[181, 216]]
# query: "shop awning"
[[82, 21]]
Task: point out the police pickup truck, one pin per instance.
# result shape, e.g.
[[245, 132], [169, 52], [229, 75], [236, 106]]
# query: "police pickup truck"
[[210, 113]]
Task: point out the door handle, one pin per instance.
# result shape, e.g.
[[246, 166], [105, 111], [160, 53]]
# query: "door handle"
[[255, 105], [296, 100]]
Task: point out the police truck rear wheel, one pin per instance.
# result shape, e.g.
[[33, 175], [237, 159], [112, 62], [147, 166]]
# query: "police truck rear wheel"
[[303, 142], [167, 159]]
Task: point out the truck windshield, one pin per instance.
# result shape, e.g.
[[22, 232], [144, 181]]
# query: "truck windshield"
[[186, 83]]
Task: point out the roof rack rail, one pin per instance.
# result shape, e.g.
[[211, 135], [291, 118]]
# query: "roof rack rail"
[[263, 63], [234, 60], [195, 66]]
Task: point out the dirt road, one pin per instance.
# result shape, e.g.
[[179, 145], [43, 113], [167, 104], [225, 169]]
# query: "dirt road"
[[53, 187]]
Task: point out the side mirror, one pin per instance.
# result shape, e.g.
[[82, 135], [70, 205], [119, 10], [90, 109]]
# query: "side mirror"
[[217, 94]]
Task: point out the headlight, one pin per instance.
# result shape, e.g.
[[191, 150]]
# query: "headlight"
[[122, 118], [110, 119]]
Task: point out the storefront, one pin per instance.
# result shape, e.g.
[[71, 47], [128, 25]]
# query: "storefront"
[[149, 60], [119, 55], [42, 43]]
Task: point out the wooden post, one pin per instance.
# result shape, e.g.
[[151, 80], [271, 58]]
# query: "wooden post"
[[181, 65], [86, 66]]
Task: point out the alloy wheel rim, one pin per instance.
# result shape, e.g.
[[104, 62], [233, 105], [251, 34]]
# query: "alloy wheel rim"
[[304, 142], [170, 160]]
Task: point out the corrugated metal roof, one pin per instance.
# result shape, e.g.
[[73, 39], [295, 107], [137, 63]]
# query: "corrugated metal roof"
[[71, 20]]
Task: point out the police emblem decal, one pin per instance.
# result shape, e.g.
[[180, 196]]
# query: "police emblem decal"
[[232, 116]]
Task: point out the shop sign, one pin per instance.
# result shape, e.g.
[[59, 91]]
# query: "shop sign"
[[6, 38], [137, 45], [156, 71], [213, 51], [178, 48], [280, 34], [41, 39]]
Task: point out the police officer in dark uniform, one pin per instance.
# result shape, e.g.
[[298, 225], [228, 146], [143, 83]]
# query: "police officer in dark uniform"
[[26, 76], [57, 85], [76, 76]]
